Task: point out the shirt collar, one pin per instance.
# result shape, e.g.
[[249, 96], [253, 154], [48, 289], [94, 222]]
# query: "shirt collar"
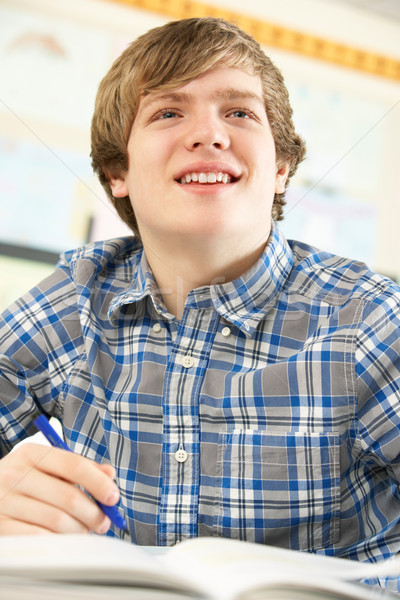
[[142, 286], [242, 302], [246, 300]]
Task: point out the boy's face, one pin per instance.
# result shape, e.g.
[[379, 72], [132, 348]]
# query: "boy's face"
[[202, 162]]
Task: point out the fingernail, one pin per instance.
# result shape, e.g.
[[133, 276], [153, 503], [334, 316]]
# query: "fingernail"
[[104, 526], [113, 497]]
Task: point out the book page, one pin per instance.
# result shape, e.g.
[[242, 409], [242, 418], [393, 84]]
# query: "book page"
[[213, 568], [92, 559], [231, 569]]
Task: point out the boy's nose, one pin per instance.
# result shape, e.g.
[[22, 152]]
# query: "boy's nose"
[[208, 132]]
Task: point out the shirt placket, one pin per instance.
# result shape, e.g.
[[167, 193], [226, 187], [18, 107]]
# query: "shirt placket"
[[180, 470]]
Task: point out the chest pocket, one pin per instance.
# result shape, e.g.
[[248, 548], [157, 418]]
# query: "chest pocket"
[[279, 489]]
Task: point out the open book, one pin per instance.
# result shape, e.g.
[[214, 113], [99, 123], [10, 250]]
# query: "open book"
[[88, 567]]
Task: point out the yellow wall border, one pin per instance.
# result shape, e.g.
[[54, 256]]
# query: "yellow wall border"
[[280, 37]]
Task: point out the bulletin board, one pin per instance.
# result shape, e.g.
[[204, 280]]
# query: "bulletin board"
[[50, 69]]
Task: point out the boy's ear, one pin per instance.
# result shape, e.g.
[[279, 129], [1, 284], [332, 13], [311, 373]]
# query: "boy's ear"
[[118, 187], [117, 184], [281, 176]]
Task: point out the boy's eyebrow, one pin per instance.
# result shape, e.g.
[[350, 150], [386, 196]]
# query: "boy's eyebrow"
[[153, 97], [237, 94], [184, 98]]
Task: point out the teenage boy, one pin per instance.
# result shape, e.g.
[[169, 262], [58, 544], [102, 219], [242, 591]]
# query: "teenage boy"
[[234, 383]]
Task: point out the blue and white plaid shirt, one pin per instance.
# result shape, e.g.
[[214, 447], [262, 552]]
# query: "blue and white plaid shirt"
[[270, 412]]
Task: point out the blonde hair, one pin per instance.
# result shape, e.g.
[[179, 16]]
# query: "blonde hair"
[[168, 57]]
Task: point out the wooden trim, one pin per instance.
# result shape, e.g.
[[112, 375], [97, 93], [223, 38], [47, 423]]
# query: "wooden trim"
[[280, 37]]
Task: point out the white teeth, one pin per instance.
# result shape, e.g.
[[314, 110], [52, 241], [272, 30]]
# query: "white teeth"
[[203, 177]]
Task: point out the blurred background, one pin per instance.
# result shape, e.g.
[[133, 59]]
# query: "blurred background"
[[341, 62]]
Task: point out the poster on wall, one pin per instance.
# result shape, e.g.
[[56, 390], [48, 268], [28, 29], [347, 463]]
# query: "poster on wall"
[[332, 202], [46, 198], [50, 67], [316, 217]]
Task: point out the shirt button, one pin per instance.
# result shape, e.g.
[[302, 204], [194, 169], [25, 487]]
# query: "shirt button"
[[226, 331], [188, 361], [157, 328], [181, 455]]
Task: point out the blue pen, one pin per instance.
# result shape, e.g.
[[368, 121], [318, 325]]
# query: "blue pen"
[[44, 426]]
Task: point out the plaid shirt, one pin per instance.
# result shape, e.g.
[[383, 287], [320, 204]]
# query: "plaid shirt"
[[270, 412]]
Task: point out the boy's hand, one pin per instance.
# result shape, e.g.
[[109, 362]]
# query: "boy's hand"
[[38, 492]]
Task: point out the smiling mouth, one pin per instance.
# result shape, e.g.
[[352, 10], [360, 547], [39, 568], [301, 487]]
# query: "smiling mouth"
[[206, 178]]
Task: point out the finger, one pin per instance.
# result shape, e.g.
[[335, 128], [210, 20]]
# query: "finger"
[[71, 467], [42, 515], [16, 527], [20, 475], [107, 469], [69, 509]]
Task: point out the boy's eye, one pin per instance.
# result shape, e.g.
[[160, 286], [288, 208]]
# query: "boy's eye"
[[240, 113], [167, 114]]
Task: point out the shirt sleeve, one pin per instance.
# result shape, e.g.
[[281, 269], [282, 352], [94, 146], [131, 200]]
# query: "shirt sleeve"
[[40, 338], [378, 380]]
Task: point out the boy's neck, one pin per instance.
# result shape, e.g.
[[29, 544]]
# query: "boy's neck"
[[180, 268]]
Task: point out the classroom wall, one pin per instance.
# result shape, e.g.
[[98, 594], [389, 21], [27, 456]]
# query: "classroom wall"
[[53, 53]]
